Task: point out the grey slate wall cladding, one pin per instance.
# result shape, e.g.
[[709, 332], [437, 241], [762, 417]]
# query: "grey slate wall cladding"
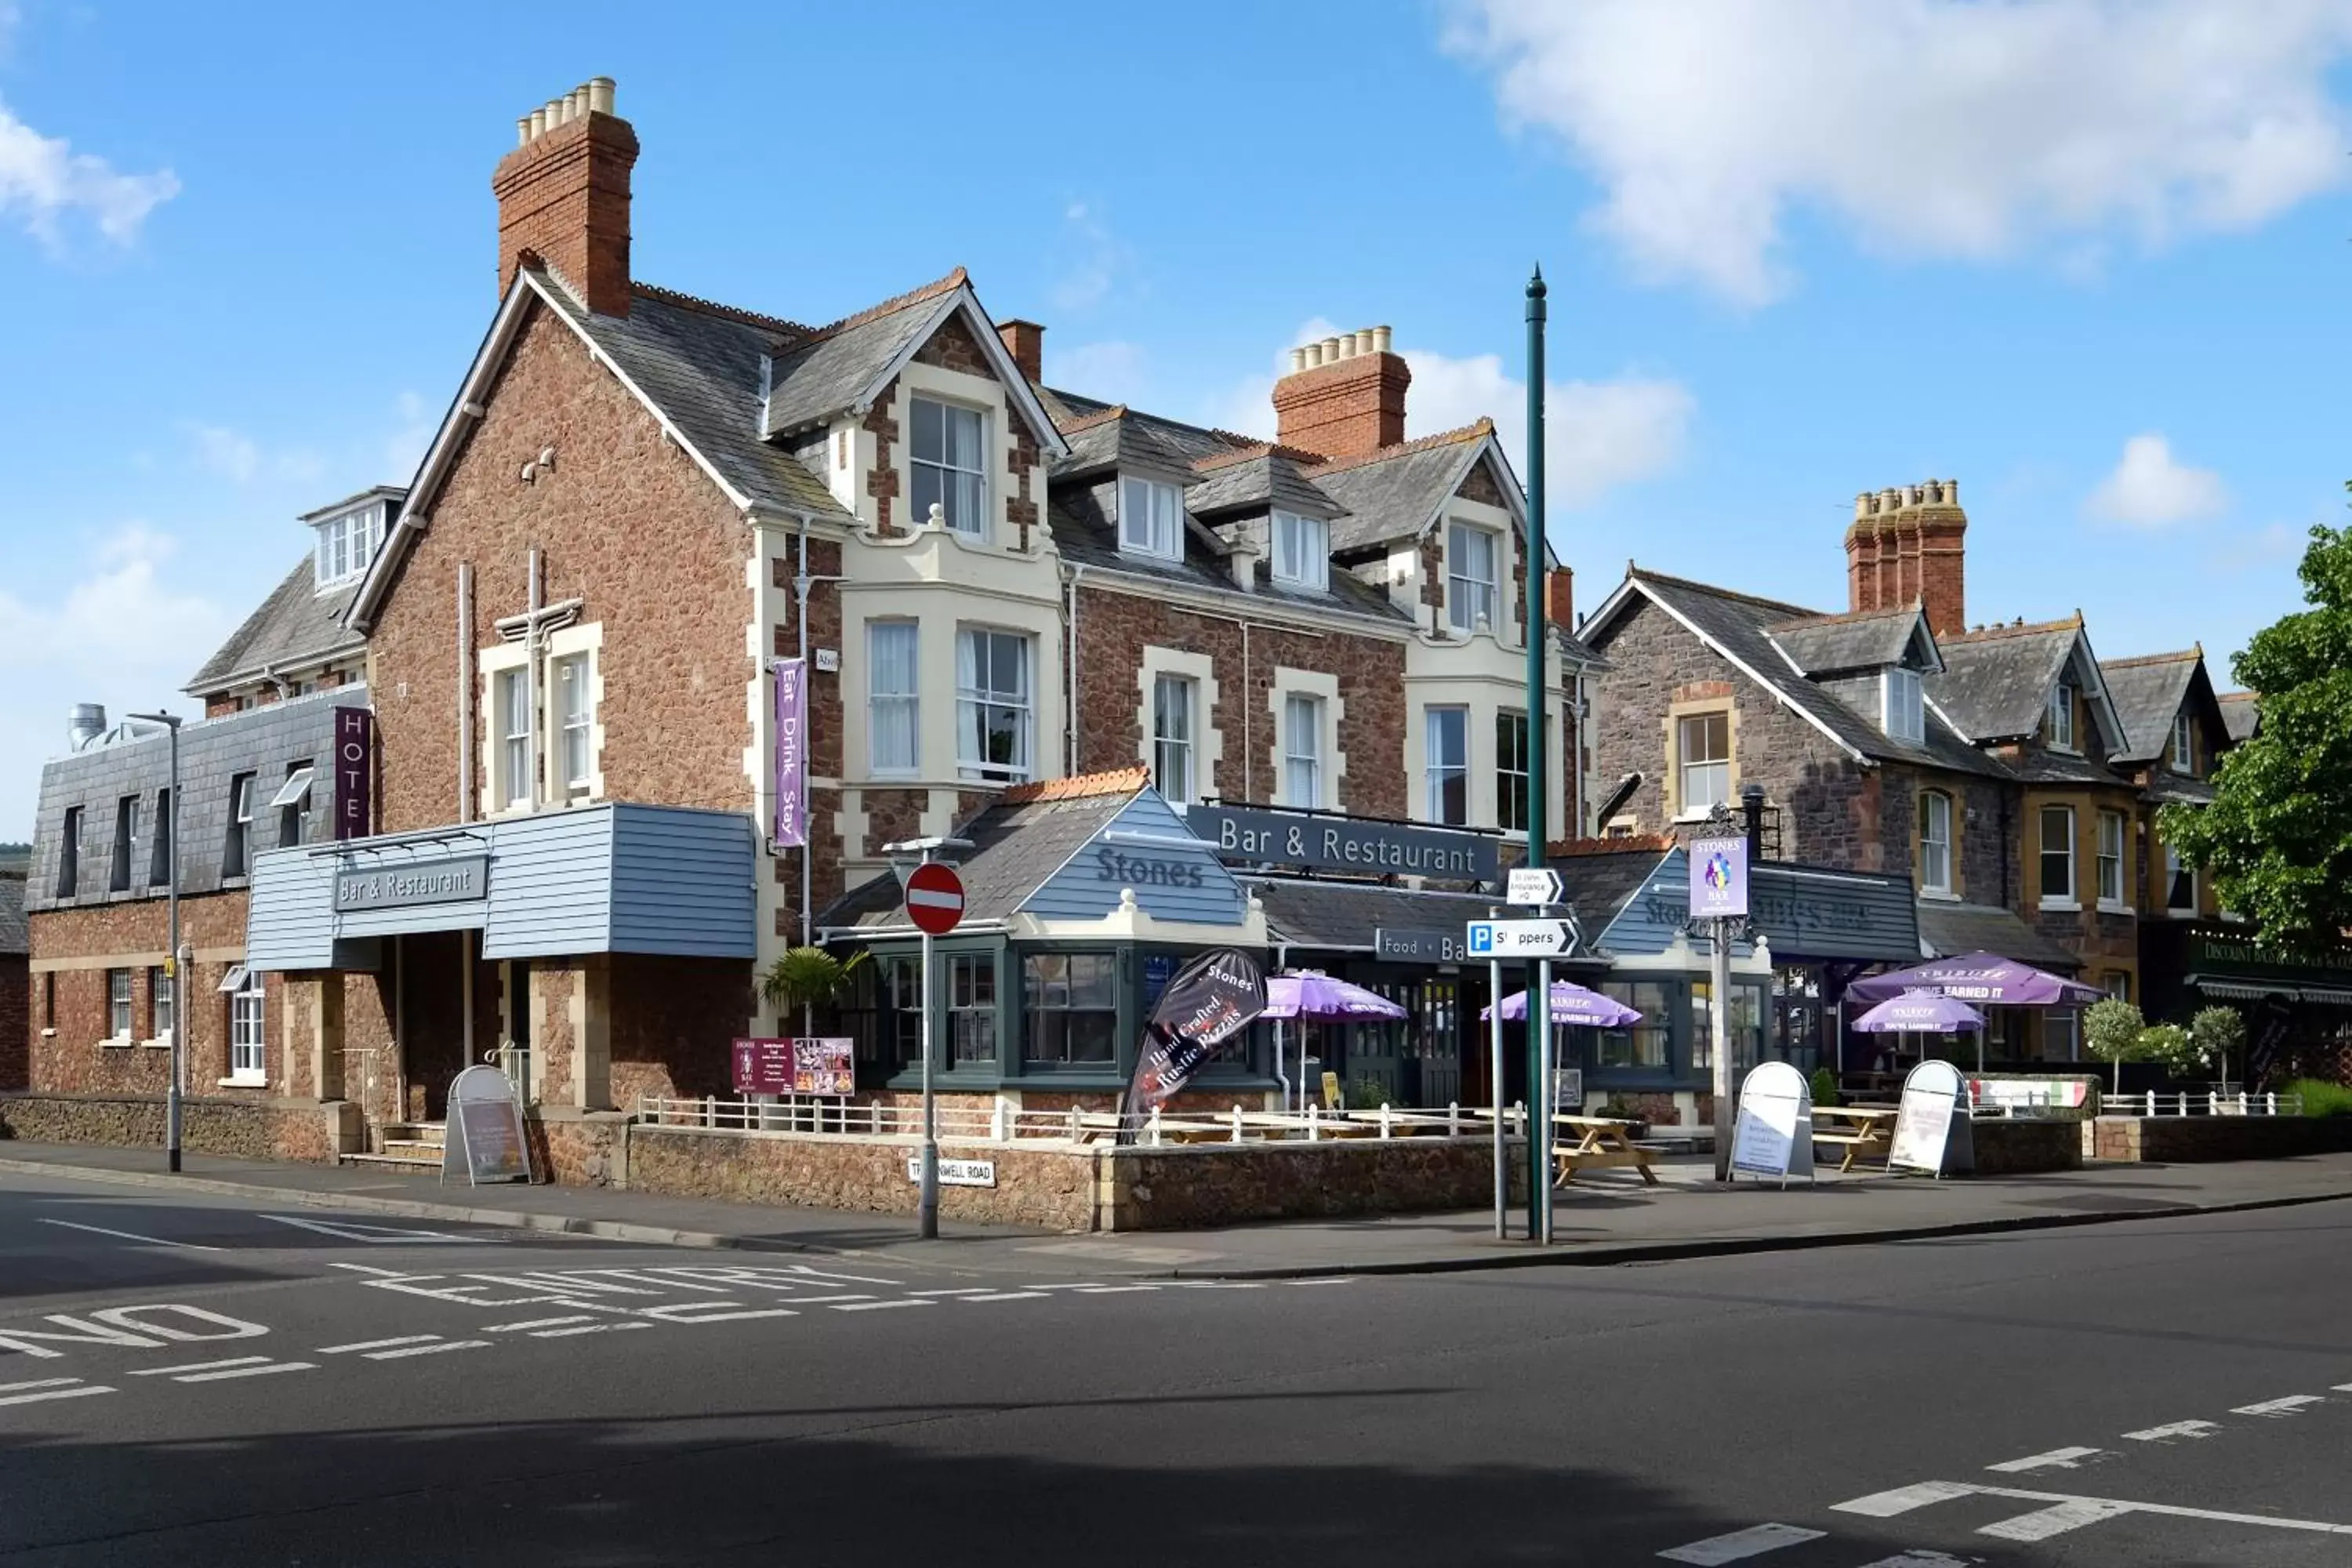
[[262, 741]]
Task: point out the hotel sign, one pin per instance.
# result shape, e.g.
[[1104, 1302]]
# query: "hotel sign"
[[354, 772], [1340, 844], [451, 879]]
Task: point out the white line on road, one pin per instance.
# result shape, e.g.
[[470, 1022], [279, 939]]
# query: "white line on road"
[[1741, 1545], [1111, 1290], [2055, 1519], [371, 1269], [530, 1323], [46, 1394], [588, 1329], [1903, 1500], [1923, 1558], [878, 1306], [268, 1371], [1011, 1296], [2055, 1459], [200, 1367], [374, 1234], [2342, 1388], [2174, 1430], [378, 1345], [1887, 1505], [960, 1291], [37, 1383], [1347, 1280], [429, 1349], [2287, 1406], [127, 1235]]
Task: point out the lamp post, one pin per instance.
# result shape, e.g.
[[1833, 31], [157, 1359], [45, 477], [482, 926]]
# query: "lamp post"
[[175, 962], [1540, 1109]]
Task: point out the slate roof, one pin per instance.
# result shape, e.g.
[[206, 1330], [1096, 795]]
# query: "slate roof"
[[296, 624], [15, 941], [1996, 683], [2240, 711], [1948, 930], [2148, 693], [1120, 438], [1318, 912], [1018, 844], [1831, 645], [1742, 626], [1084, 531], [1393, 493], [1263, 481]]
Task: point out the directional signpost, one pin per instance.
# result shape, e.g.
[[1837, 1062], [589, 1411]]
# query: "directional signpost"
[[1521, 939], [1537, 885]]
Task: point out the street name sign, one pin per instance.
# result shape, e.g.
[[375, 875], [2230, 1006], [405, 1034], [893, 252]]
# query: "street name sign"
[[1521, 939], [1534, 885]]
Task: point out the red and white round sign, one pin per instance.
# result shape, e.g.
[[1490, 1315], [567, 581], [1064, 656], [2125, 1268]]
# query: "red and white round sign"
[[934, 898]]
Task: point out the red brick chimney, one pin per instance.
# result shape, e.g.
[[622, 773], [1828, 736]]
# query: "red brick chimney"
[[563, 195], [1344, 397], [1910, 545], [1026, 342], [1559, 597]]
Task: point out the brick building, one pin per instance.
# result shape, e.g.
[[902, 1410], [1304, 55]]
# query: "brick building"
[[16, 979]]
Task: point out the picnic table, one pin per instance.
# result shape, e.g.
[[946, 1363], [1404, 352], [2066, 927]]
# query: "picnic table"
[[1864, 1132], [1598, 1143]]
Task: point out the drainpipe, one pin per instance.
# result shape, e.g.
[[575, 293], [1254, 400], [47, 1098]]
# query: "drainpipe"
[[464, 692], [1247, 772], [1070, 659], [530, 690]]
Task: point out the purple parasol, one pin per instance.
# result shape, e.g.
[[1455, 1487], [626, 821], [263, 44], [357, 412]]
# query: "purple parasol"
[[1318, 996], [1980, 979], [1923, 1012], [1572, 1003]]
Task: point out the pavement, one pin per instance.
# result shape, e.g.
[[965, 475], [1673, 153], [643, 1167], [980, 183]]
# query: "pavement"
[[194, 1378], [1604, 1218]]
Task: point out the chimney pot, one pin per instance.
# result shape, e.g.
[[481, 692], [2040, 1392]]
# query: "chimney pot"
[[539, 122], [1346, 345], [1330, 350], [522, 132], [1349, 415], [599, 94], [1910, 495], [1313, 352], [1951, 492], [1380, 340], [1862, 506], [1889, 500], [572, 209], [1298, 360]]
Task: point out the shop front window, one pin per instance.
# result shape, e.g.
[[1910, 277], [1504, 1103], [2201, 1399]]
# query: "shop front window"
[[1073, 1007], [970, 980], [1641, 1045], [1746, 1025]]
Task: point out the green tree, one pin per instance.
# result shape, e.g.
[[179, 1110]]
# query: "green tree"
[[2277, 838], [804, 978], [2172, 1045], [2220, 1033], [2114, 1031]]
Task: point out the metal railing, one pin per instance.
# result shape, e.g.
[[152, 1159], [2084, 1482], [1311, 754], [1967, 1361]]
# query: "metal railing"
[[2197, 1102], [1003, 1123]]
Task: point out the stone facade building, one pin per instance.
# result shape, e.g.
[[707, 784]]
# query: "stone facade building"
[[15, 978]]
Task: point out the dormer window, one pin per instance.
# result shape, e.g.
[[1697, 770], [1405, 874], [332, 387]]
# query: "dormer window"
[[2184, 745], [1302, 551], [347, 542], [2062, 716], [1151, 518], [1899, 711], [1469, 578]]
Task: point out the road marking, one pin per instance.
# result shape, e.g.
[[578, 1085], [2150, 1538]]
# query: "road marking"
[[1923, 1558], [2287, 1406], [1903, 1500], [2175, 1429], [878, 1306], [374, 1234], [1011, 1296], [698, 1312], [37, 1383], [271, 1369], [429, 1349], [588, 1329], [378, 1345], [1741, 1545], [2055, 1459], [37, 1393], [2342, 1388], [371, 1269], [127, 1235], [2055, 1519], [1112, 1289], [960, 1290], [1350, 1280], [200, 1367], [529, 1323]]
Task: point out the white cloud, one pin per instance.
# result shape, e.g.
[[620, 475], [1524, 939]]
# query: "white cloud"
[[2151, 489], [1096, 262], [1597, 435], [43, 180], [1113, 369], [118, 632], [240, 459], [404, 449], [1928, 127]]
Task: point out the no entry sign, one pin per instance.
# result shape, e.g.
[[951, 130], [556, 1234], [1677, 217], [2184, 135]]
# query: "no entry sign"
[[935, 898]]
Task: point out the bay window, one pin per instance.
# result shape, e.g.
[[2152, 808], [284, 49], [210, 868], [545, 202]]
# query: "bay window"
[[1072, 1002], [1447, 739], [1469, 578], [893, 706], [993, 719]]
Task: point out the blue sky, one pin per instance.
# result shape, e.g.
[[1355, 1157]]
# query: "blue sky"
[[2085, 258]]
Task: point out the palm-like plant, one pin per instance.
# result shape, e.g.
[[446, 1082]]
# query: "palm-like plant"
[[804, 978]]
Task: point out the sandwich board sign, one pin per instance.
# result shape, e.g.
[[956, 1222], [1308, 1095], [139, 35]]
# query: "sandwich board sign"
[[485, 1137], [1932, 1130], [1774, 1136]]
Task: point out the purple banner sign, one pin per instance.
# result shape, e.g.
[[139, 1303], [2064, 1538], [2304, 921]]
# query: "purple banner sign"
[[354, 772], [791, 754], [1718, 879]]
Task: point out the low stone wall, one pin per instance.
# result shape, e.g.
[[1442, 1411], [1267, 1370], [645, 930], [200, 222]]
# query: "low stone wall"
[[2190, 1139], [579, 1148], [2021, 1146], [1051, 1188], [1202, 1184], [242, 1129]]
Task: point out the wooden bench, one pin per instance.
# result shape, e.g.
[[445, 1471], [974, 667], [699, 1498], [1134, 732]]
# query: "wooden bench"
[[1869, 1133], [1598, 1145]]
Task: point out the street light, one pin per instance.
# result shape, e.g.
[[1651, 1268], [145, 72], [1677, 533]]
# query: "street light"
[[175, 961]]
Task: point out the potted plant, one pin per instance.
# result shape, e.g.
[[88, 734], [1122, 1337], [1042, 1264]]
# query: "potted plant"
[[803, 979]]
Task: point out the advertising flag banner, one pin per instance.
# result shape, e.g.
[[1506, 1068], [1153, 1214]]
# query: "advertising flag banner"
[[1211, 1000], [791, 754]]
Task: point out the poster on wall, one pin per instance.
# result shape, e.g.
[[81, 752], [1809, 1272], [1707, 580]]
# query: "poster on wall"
[[791, 754], [1210, 1001], [812, 1066]]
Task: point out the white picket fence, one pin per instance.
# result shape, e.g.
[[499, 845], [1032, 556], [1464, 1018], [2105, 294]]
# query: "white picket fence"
[[2208, 1102], [1003, 1123]]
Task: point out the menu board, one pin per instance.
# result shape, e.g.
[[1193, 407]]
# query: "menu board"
[[1932, 1129], [1773, 1136], [820, 1066], [485, 1137]]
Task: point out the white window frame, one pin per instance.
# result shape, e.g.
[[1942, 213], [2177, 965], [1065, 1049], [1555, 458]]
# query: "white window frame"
[[2175, 869], [1155, 527], [2069, 899], [1302, 551], [1934, 850], [881, 699], [347, 545], [1302, 749], [2184, 744], [572, 682], [240, 822], [513, 693], [976, 525], [1467, 594], [2111, 865], [1175, 746], [118, 1007], [1437, 769], [1715, 770], [1505, 789], [163, 1004], [2062, 716], [1901, 714], [974, 701], [248, 1035]]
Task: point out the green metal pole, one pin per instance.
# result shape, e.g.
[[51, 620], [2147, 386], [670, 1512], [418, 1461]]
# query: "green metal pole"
[[1539, 1126]]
